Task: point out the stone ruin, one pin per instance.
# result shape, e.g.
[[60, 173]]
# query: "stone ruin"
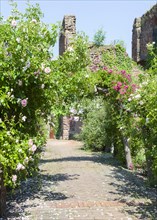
[[69, 126], [144, 32]]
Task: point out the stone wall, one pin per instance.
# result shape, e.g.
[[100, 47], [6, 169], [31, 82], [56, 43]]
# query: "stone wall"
[[67, 32], [2, 195], [144, 32]]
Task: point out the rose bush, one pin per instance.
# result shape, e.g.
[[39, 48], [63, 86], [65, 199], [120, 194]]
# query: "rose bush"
[[34, 87]]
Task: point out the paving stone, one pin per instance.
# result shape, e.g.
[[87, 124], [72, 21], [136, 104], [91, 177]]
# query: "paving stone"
[[80, 185]]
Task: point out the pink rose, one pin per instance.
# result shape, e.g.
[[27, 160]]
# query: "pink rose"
[[47, 70], [24, 102]]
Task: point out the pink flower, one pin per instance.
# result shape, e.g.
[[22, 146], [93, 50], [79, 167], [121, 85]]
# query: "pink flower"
[[47, 70], [13, 23], [128, 77], [110, 71], [122, 91], [123, 72], [14, 178], [24, 102], [126, 87], [131, 167], [33, 148], [20, 167], [30, 142], [105, 68]]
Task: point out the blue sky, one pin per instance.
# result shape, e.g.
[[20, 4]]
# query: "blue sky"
[[115, 17]]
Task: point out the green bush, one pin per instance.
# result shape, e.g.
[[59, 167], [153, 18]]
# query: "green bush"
[[97, 126]]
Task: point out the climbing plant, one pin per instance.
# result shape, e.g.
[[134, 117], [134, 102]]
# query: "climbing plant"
[[33, 87]]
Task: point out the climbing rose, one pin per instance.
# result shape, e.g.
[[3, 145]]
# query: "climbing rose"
[[34, 21], [14, 178], [47, 70], [20, 167], [24, 118], [110, 71], [24, 102], [13, 23], [42, 86], [30, 142], [33, 148]]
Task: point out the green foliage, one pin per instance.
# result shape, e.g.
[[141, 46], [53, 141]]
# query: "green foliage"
[[99, 37], [117, 58], [97, 125], [34, 88], [119, 42]]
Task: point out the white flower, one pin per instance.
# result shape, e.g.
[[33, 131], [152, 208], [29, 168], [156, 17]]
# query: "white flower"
[[141, 102], [138, 96], [73, 111], [18, 40], [76, 118], [47, 70], [80, 111], [42, 86], [9, 93], [30, 142], [17, 141], [70, 49], [13, 23], [28, 64], [12, 96], [20, 82], [20, 150], [20, 167], [147, 120], [121, 128], [145, 83], [0, 120], [14, 178], [34, 21], [153, 42], [8, 133], [11, 90], [18, 100], [129, 99], [26, 160], [24, 118], [33, 148]]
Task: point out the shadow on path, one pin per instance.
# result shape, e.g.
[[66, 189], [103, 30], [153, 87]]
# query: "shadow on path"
[[131, 186], [135, 190], [39, 187]]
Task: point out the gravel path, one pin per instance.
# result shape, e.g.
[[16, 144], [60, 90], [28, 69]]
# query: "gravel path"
[[80, 185]]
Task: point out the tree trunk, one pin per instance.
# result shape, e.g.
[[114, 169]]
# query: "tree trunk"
[[128, 157], [2, 196]]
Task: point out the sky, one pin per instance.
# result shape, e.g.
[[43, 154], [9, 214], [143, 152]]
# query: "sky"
[[115, 17]]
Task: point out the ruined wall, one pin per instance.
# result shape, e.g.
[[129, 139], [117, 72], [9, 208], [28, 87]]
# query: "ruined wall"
[[68, 31], [144, 32]]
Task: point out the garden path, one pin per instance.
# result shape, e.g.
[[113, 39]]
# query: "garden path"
[[81, 185]]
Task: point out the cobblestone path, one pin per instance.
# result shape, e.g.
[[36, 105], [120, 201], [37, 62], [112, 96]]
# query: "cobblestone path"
[[75, 184]]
